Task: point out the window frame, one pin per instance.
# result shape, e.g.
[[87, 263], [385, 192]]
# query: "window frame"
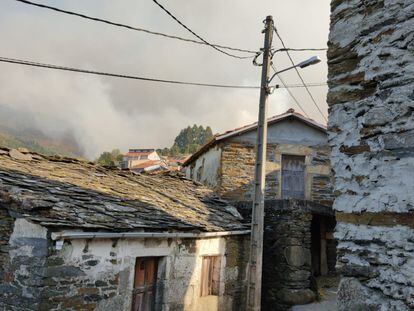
[[287, 155], [210, 280]]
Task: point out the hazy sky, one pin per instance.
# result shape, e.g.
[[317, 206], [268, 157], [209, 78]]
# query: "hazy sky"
[[105, 113]]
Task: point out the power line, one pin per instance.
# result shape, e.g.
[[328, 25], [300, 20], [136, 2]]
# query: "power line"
[[196, 35], [299, 50], [134, 28], [57, 67], [125, 76], [290, 93], [299, 75], [96, 19]]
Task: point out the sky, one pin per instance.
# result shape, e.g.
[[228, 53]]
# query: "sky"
[[104, 113]]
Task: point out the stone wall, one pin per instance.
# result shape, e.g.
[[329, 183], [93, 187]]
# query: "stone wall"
[[24, 257], [6, 228], [287, 270], [237, 257], [371, 132], [237, 171]]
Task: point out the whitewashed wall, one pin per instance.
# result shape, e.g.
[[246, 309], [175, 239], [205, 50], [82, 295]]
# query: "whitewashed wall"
[[178, 276], [371, 132], [208, 164]]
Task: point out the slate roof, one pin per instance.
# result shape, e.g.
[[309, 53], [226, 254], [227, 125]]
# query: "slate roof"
[[139, 152], [145, 164], [69, 193], [289, 114]]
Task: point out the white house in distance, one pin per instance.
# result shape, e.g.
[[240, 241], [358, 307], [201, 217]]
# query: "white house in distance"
[[139, 160]]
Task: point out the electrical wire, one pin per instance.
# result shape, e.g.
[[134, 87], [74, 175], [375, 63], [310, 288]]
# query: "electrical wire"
[[125, 76], [196, 35], [135, 28], [299, 50], [57, 67], [155, 32], [299, 75], [289, 92]]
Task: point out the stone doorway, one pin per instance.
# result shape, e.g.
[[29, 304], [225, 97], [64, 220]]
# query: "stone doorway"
[[323, 245]]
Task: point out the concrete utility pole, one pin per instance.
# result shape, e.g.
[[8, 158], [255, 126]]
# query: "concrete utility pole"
[[254, 286]]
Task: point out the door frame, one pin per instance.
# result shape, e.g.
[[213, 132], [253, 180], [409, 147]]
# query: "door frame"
[[145, 290]]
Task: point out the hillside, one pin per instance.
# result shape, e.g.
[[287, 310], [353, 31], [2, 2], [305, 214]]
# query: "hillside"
[[10, 141], [17, 130]]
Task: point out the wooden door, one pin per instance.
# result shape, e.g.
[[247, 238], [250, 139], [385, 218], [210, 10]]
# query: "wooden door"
[[293, 177], [143, 294]]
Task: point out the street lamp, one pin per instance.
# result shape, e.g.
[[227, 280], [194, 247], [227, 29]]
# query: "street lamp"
[[311, 61]]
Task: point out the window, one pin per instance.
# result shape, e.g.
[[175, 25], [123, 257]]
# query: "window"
[[200, 171], [143, 294], [293, 177], [210, 276]]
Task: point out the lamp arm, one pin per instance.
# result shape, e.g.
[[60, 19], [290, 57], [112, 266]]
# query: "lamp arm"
[[280, 71]]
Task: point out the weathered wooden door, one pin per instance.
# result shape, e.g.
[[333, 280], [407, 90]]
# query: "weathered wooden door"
[[143, 295], [293, 177]]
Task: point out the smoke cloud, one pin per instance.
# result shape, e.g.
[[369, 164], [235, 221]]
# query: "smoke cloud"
[[105, 113]]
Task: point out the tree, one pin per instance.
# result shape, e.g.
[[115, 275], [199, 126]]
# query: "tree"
[[208, 135], [189, 140], [174, 150], [109, 158], [163, 152]]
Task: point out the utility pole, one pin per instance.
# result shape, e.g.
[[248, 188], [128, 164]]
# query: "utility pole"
[[254, 286]]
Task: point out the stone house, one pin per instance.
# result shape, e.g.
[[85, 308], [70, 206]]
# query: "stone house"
[[371, 132], [76, 236], [298, 191], [297, 161]]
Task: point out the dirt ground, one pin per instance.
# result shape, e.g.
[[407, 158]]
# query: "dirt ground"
[[327, 292], [328, 303]]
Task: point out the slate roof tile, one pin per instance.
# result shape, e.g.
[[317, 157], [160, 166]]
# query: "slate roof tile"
[[71, 193]]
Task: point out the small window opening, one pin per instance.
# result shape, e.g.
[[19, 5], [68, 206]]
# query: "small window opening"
[[200, 171], [210, 276]]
